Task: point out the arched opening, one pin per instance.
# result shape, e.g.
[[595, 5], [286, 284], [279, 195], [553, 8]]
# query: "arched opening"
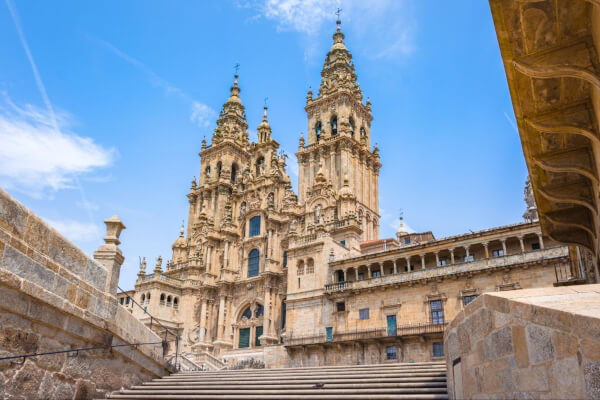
[[207, 171], [169, 301], [147, 298], [254, 226], [143, 298], [253, 260], [351, 122], [362, 131], [318, 128], [339, 275], [162, 299], [247, 313], [234, 172], [317, 213], [310, 266], [219, 169], [260, 166], [260, 310], [334, 126], [300, 268], [176, 303]]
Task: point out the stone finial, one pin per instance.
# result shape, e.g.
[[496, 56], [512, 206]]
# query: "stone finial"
[[114, 226], [301, 139], [142, 272], [309, 96], [158, 268]]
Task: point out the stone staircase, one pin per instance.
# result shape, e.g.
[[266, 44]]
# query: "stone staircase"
[[382, 381]]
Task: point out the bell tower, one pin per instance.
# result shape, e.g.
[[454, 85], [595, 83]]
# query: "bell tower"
[[339, 138]]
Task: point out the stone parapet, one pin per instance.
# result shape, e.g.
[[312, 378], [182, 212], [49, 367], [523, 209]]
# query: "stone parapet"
[[55, 297], [532, 343]]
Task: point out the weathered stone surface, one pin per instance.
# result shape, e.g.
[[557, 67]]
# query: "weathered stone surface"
[[531, 379], [37, 234], [26, 381], [499, 343], [565, 345], [95, 275], [520, 346], [539, 344], [13, 216], [26, 268], [567, 381], [592, 379]]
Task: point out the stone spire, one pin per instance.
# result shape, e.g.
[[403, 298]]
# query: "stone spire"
[[232, 119], [264, 129]]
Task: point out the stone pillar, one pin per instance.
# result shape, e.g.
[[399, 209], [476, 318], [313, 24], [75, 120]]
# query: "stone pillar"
[[356, 272], [437, 259], [345, 275], [395, 266], [408, 264], [221, 318], [504, 246], [541, 241], [332, 166], [487, 252], [381, 269], [267, 315], [451, 256], [225, 253], [422, 261], [522, 244], [208, 255], [109, 254], [467, 253], [203, 320], [369, 271], [270, 243]]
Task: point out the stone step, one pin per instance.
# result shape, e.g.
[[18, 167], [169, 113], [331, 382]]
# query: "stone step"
[[410, 366], [280, 385], [302, 377], [348, 396], [312, 373], [306, 381]]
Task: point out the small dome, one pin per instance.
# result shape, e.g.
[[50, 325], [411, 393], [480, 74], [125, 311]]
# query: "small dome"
[[180, 242], [401, 229]]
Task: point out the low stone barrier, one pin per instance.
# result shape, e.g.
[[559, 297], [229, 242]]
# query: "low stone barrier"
[[54, 297], [532, 343]]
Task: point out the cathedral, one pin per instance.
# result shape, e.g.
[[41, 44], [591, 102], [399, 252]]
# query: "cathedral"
[[284, 279]]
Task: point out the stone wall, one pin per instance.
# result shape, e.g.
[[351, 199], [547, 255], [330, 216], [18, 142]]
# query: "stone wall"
[[532, 343], [54, 297]]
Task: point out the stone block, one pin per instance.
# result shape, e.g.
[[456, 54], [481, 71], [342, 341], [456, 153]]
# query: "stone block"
[[567, 379], [499, 343], [552, 318], [43, 313], [9, 279], [26, 268], [13, 301], [480, 324], [531, 379], [64, 253], [520, 346], [590, 350], [539, 344], [586, 327], [95, 275], [37, 234], [26, 381], [497, 376], [464, 339], [13, 216], [591, 373], [565, 345], [496, 303]]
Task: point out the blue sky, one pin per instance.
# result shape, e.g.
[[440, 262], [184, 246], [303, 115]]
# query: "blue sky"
[[103, 107]]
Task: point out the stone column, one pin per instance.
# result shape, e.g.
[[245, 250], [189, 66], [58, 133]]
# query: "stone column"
[[345, 275], [395, 266], [487, 253], [467, 253], [422, 261], [270, 243], [522, 244], [267, 312], [437, 259], [203, 319], [451, 256], [109, 254], [356, 272], [311, 164], [226, 253], [369, 271], [208, 255], [503, 246], [408, 264], [541, 241], [381, 269], [221, 318], [332, 166]]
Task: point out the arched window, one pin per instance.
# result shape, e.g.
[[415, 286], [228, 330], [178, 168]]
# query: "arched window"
[[169, 301], [362, 131], [143, 298], [207, 171], [284, 259], [260, 166], [340, 275], [351, 126], [254, 226], [219, 168], [260, 310], [317, 213], [175, 303], [162, 299], [247, 313], [234, 171], [310, 266], [334, 126], [253, 259], [147, 298], [300, 268], [318, 130]]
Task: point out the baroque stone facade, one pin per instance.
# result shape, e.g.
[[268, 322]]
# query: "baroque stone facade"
[[295, 280]]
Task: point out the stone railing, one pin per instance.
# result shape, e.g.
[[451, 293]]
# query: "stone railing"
[[542, 255], [366, 334], [306, 239]]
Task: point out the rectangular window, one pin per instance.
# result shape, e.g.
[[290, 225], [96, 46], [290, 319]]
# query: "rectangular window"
[[438, 349], [437, 312], [470, 298], [254, 226], [470, 258], [127, 300], [341, 306], [285, 259], [535, 246], [244, 338], [361, 277], [259, 332], [407, 240], [122, 300], [443, 262], [376, 274], [390, 352], [363, 313], [497, 253], [310, 269]]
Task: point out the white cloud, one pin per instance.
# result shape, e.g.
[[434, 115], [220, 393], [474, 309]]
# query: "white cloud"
[[392, 221], [200, 114], [76, 231], [39, 153], [383, 28]]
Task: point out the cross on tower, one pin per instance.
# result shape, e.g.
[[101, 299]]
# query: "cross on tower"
[[266, 98], [236, 67], [338, 12]]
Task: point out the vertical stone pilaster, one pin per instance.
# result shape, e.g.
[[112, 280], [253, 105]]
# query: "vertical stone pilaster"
[[109, 254]]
